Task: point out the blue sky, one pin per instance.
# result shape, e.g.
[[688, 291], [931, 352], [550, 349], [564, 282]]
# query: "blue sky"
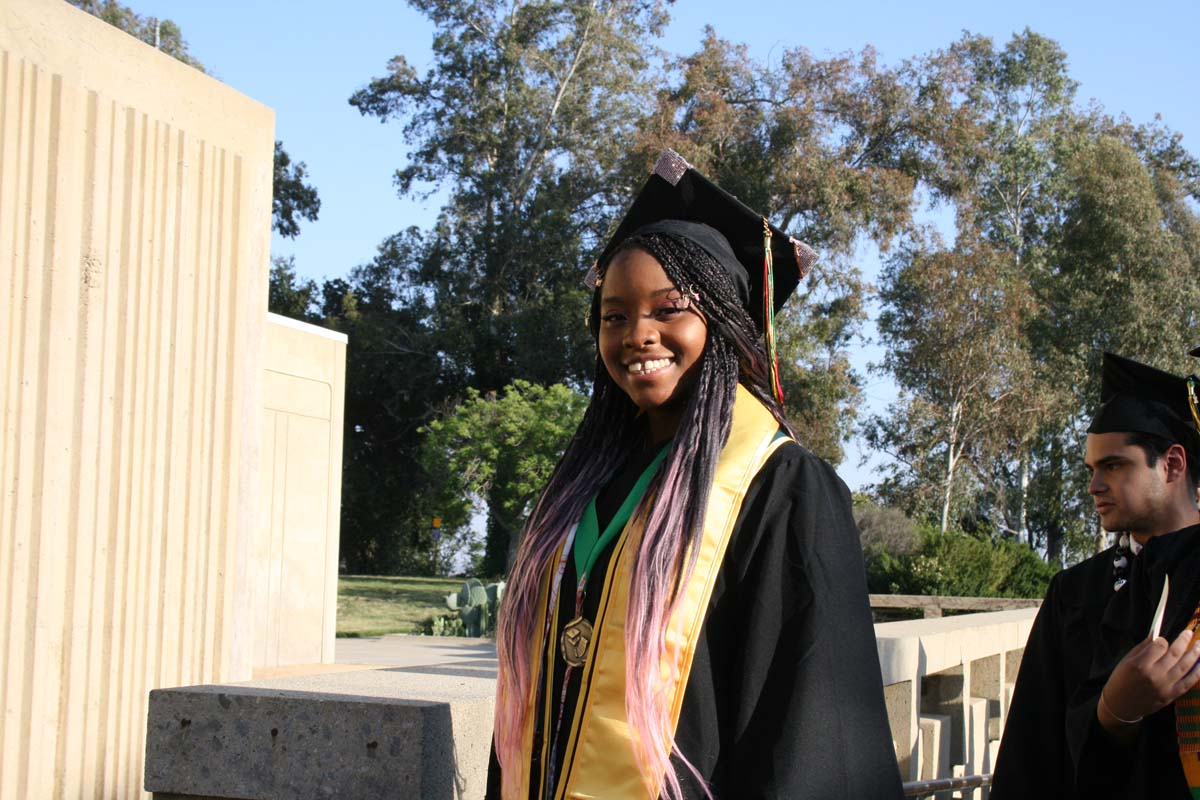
[[304, 59]]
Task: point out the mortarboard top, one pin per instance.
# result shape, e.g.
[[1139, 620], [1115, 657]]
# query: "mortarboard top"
[[676, 194], [1137, 398], [1195, 351]]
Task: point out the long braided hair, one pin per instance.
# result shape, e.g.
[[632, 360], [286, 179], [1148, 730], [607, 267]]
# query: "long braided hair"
[[673, 509]]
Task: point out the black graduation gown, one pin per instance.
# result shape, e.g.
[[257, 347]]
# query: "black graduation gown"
[[1149, 768], [784, 699], [1034, 761]]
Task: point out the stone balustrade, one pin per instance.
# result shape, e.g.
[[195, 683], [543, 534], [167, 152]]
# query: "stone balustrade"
[[421, 729], [948, 682]]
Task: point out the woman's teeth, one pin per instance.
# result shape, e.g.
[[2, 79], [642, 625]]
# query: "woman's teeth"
[[645, 367]]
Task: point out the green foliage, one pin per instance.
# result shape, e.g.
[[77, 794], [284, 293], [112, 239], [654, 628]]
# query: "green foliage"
[[884, 529], [960, 564], [477, 607], [831, 147], [1062, 215], [374, 606], [291, 196], [524, 116], [446, 625], [500, 449], [393, 383], [951, 324], [161, 34], [290, 296]]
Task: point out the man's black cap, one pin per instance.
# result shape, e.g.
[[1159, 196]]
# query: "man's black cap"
[[1137, 398]]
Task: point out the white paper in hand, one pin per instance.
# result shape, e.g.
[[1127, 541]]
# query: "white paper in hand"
[[1156, 625]]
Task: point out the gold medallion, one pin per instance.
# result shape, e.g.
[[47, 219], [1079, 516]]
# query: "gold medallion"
[[574, 642]]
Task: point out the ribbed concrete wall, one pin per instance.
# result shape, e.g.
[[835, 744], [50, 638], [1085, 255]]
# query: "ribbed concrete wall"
[[134, 229], [296, 550]]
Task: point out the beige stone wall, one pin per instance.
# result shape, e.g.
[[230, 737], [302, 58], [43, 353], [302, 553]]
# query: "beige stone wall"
[[296, 552], [134, 234]]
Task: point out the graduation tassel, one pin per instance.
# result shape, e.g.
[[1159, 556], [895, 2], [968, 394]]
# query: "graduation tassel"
[[769, 313], [1193, 402]]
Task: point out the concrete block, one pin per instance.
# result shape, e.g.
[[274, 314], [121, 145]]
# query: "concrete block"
[[943, 693], [977, 742], [413, 732], [898, 699], [995, 723], [295, 549], [1011, 661], [935, 746], [985, 677]]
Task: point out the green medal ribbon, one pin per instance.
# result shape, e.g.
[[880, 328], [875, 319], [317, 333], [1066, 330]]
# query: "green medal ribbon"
[[589, 542]]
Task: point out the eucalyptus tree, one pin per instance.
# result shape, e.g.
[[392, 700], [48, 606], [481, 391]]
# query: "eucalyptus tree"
[[520, 127], [833, 148], [1088, 222], [522, 120], [947, 324]]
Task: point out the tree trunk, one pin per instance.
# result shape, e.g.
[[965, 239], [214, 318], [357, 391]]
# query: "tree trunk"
[[503, 536], [496, 544], [951, 462], [1054, 530], [1023, 499]]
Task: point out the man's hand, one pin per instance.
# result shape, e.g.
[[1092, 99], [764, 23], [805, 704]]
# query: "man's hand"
[[1150, 676]]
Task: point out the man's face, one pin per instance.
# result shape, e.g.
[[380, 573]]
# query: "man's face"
[[1130, 495]]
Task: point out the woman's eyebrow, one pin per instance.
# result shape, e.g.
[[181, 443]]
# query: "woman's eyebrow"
[[655, 293]]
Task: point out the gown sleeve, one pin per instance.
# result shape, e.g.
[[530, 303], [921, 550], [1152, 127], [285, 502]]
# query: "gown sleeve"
[[1033, 759], [785, 697]]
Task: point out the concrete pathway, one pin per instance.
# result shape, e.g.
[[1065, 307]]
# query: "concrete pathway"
[[430, 655], [400, 650]]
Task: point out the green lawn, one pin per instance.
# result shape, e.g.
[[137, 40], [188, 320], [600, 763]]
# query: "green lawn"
[[370, 605]]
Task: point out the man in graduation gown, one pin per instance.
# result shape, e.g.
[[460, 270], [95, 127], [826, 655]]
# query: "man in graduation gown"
[[1144, 415], [1144, 451], [1033, 759]]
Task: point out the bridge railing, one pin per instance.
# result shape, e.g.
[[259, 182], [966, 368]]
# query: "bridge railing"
[[944, 786], [948, 684], [932, 606]]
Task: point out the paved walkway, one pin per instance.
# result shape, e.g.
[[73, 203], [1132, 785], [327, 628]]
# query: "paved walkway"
[[400, 650], [430, 655]]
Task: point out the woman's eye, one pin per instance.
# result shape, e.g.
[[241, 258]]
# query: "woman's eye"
[[672, 307], [612, 318]]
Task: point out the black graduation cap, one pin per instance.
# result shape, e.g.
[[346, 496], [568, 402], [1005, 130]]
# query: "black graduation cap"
[[679, 200], [1137, 398], [1195, 351]]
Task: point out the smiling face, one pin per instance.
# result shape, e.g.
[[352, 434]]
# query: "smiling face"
[[1130, 495], [651, 338]]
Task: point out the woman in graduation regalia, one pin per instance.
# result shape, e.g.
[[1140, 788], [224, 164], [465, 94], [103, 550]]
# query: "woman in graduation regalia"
[[687, 614]]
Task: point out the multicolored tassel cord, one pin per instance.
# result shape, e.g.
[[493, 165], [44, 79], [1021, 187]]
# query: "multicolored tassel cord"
[[1193, 401], [769, 312]]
